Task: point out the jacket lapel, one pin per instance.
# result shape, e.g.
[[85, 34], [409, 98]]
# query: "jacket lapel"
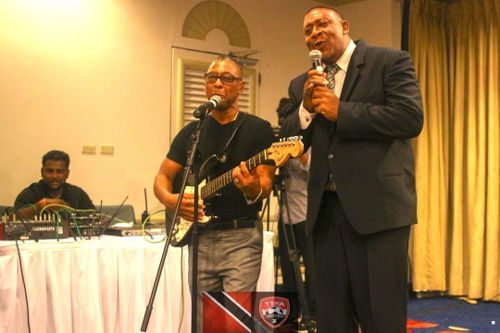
[[357, 60]]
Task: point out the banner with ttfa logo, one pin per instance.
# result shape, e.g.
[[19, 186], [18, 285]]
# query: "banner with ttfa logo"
[[243, 312]]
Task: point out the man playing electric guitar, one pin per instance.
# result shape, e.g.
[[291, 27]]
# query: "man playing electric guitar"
[[230, 247], [279, 153]]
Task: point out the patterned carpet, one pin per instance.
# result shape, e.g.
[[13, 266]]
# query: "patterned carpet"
[[446, 315]]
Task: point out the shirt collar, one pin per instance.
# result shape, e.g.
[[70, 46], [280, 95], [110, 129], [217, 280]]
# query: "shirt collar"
[[343, 61]]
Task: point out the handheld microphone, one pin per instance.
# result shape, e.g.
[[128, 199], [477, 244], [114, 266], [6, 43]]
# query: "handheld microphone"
[[211, 104], [315, 56]]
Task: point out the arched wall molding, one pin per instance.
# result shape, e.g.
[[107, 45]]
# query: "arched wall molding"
[[214, 14]]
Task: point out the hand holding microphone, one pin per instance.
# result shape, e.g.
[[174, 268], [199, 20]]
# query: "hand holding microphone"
[[315, 79], [317, 97]]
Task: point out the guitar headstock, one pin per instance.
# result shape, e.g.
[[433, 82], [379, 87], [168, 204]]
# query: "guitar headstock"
[[281, 151]]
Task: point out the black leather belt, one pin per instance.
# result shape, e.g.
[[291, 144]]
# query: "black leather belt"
[[230, 224]]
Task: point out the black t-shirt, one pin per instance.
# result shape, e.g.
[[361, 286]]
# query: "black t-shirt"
[[73, 195], [252, 136]]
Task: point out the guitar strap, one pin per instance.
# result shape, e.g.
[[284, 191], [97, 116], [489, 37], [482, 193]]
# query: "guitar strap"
[[221, 158], [241, 118]]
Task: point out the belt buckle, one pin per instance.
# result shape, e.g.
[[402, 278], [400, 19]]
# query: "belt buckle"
[[330, 186]]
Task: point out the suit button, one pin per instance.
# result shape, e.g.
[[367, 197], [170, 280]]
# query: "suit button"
[[330, 156]]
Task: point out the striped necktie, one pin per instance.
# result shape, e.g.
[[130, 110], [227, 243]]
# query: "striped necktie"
[[330, 75], [331, 70]]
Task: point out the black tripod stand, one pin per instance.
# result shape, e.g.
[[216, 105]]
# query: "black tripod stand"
[[288, 236]]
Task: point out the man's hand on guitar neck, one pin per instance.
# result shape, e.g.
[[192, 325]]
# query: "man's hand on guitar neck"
[[248, 182]]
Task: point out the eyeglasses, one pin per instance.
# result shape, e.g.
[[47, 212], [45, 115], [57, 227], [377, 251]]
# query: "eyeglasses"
[[224, 78]]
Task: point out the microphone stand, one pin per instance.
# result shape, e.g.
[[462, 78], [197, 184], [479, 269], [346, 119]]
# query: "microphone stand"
[[194, 247], [293, 255], [187, 170]]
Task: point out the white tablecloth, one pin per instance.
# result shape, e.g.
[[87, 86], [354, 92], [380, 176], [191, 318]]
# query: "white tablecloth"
[[100, 285]]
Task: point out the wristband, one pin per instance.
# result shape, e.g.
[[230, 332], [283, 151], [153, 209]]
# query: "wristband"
[[254, 200]]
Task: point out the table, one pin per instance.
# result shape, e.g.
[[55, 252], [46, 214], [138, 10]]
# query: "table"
[[99, 285]]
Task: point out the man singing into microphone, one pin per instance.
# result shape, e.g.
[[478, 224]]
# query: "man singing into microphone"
[[358, 117], [230, 246]]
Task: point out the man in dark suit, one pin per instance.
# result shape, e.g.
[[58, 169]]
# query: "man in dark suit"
[[361, 192]]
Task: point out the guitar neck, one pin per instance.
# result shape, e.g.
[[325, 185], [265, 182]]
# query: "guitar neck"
[[212, 187]]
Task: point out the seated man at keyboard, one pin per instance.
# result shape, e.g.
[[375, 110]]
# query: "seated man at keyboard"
[[52, 189]]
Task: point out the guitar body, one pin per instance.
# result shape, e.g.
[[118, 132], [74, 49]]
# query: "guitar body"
[[182, 229], [279, 153]]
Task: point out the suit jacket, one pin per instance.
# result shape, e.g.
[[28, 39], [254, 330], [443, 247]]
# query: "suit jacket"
[[368, 149]]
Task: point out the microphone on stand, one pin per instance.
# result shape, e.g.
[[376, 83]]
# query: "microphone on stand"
[[315, 56], [211, 104], [145, 213]]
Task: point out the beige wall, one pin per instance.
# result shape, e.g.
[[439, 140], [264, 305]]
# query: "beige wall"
[[98, 71]]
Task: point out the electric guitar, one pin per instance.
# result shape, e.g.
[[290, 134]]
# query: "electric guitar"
[[279, 152]]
